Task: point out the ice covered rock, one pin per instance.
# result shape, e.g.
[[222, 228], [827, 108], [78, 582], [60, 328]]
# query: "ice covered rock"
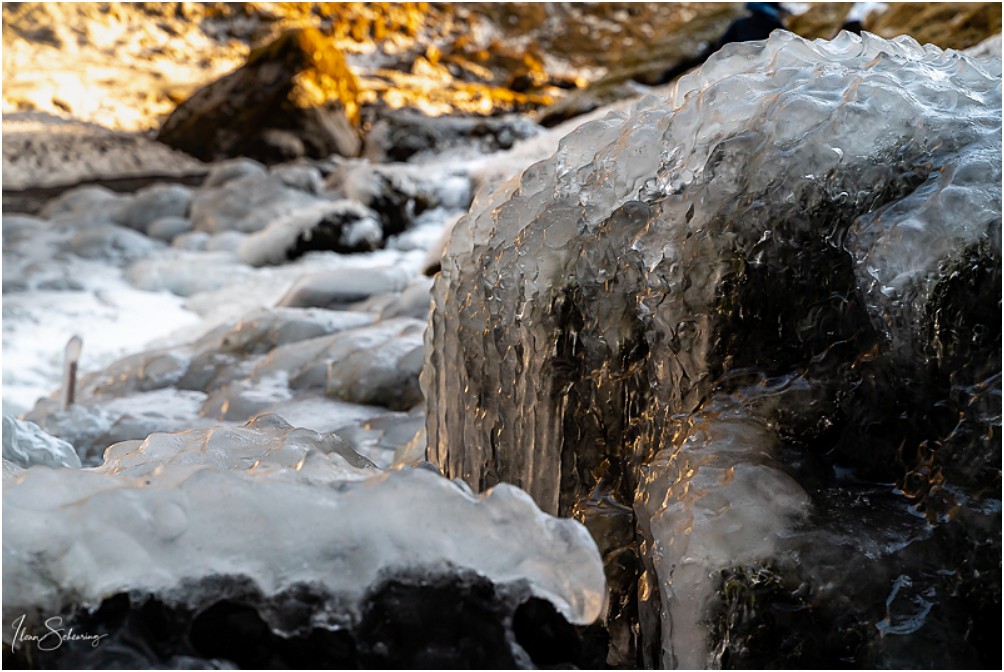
[[184, 273], [115, 244], [225, 241], [95, 424], [246, 203], [193, 241], [83, 203], [26, 444], [414, 302], [231, 169], [988, 48], [169, 228], [218, 377], [228, 351], [299, 176], [152, 203], [176, 521], [335, 226], [379, 364], [340, 287], [402, 135], [716, 314], [401, 194]]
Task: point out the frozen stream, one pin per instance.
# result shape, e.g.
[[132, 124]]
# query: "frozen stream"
[[689, 362]]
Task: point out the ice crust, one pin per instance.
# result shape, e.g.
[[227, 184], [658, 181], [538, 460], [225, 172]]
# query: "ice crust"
[[583, 338], [194, 504], [25, 444]]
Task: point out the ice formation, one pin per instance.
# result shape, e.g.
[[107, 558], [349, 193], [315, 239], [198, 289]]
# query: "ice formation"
[[725, 319], [25, 444], [281, 507], [288, 360]]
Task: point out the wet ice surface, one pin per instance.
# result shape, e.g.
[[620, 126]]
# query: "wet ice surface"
[[607, 336], [202, 308], [735, 320], [185, 505]]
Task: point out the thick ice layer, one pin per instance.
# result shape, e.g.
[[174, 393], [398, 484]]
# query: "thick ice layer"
[[280, 506], [785, 218]]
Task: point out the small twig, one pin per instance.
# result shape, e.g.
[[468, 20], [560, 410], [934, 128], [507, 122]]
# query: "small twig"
[[72, 356]]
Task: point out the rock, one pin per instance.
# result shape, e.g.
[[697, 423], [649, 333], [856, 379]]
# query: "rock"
[[338, 288], [246, 204], [402, 135], [115, 244], [92, 202], [169, 228], [338, 226], [822, 20], [947, 25], [479, 624], [294, 97], [377, 364], [42, 151], [231, 169], [743, 335], [681, 38], [26, 444], [583, 101], [412, 302], [153, 203], [302, 177]]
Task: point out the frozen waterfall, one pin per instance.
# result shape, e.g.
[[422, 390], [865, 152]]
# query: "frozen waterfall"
[[710, 327]]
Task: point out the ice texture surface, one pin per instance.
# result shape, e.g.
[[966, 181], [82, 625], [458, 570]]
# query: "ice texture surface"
[[25, 444], [698, 313], [280, 506]]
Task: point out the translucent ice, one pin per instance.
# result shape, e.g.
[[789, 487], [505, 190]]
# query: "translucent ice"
[[25, 444], [280, 507], [695, 301]]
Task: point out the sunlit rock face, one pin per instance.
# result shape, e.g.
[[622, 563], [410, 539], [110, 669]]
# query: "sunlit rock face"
[[294, 97], [271, 544], [748, 335]]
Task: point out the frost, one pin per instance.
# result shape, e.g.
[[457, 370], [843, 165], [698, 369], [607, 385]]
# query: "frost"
[[655, 327]]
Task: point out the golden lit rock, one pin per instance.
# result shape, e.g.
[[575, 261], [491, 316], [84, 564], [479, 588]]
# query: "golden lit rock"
[[296, 96]]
